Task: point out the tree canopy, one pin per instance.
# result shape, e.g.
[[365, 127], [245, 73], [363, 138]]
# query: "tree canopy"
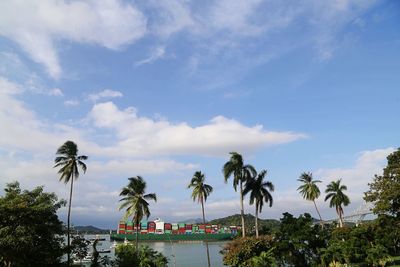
[[30, 231], [384, 191]]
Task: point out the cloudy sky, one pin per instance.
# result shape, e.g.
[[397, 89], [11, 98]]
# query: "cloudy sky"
[[162, 89]]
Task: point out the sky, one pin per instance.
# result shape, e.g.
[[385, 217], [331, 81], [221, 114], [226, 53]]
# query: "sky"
[[162, 89]]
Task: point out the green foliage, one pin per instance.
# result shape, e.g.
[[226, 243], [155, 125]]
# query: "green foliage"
[[240, 252], [266, 259], [201, 190], [266, 226], [385, 189], [299, 240], [79, 247], [334, 192], [127, 256], [30, 231]]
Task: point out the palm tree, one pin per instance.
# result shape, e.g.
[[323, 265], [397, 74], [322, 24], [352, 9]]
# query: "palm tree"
[[334, 191], [259, 193], [135, 201], [241, 174], [200, 193], [309, 190], [69, 161]]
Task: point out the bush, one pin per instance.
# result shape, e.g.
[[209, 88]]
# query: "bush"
[[240, 252], [126, 255]]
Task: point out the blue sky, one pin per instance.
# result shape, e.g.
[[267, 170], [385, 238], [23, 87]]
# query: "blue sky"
[[162, 89]]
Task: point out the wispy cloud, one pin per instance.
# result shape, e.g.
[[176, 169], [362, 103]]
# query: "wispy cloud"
[[36, 26], [107, 93], [55, 92], [71, 103], [157, 53]]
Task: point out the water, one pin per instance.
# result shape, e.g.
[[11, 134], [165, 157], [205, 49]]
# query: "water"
[[186, 253]]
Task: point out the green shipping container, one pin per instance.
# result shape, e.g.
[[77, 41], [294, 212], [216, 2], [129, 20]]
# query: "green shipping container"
[[129, 223]]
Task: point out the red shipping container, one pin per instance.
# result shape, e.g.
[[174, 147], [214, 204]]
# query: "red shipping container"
[[151, 225], [208, 230], [175, 232], [188, 227], [121, 232], [121, 226], [167, 226], [202, 226], [182, 230]]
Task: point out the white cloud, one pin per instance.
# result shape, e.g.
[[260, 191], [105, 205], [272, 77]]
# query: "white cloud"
[[157, 53], [107, 93], [71, 103], [144, 136], [36, 25], [56, 92]]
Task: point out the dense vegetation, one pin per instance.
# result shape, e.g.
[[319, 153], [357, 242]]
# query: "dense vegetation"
[[301, 242], [32, 235], [265, 225]]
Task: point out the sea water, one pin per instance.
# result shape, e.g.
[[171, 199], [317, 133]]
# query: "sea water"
[[180, 254]]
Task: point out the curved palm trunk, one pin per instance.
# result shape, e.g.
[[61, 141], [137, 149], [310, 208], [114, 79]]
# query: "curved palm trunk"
[[204, 222], [256, 220], [137, 236], [242, 209], [68, 222], [320, 218]]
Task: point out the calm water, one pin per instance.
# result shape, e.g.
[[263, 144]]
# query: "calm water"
[[186, 254]]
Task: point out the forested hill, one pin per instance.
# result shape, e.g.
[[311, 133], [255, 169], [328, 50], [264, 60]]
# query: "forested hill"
[[249, 219]]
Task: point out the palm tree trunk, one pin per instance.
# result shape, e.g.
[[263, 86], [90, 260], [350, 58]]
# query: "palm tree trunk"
[[68, 222], [137, 236], [256, 220], [204, 222], [242, 209], [320, 218], [340, 217]]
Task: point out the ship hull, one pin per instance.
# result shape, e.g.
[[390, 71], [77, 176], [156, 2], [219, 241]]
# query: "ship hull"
[[172, 237]]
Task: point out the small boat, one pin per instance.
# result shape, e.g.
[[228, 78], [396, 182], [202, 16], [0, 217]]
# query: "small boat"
[[114, 244]]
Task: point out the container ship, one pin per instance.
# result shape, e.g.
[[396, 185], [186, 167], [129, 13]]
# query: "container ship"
[[161, 231]]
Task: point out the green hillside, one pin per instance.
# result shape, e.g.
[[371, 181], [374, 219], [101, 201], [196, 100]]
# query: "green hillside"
[[268, 225]]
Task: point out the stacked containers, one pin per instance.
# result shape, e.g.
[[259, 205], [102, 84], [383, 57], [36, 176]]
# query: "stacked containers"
[[143, 227], [175, 228], [129, 228], [208, 229], [159, 227], [195, 228], [151, 227], [189, 228], [233, 230], [121, 227], [202, 228], [181, 228], [168, 228]]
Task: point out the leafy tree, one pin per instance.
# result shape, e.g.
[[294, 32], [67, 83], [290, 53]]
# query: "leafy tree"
[[31, 233], [266, 259], [135, 201], [259, 193], [309, 190], [337, 198], [241, 252], [128, 255], [200, 192], [298, 241], [69, 163], [241, 174], [79, 247], [384, 191]]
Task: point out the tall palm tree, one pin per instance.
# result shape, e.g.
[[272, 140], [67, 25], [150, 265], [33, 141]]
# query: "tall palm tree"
[[241, 174], [259, 193], [69, 161], [334, 192], [200, 193], [135, 201], [309, 190]]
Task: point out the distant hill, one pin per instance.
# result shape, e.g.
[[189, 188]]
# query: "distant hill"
[[90, 229], [268, 224]]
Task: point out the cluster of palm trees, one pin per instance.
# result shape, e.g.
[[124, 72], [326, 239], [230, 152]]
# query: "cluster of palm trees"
[[135, 200], [334, 191]]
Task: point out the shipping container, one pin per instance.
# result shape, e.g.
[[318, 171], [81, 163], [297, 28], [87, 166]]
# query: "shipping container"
[[181, 225], [189, 227], [167, 226], [151, 225]]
